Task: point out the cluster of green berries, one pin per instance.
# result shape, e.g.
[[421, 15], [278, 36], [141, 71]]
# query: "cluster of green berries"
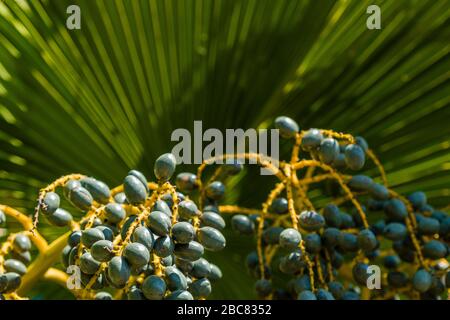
[[336, 236], [146, 251], [14, 258]]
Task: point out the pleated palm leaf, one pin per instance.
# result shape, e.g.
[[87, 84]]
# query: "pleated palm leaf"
[[104, 99]]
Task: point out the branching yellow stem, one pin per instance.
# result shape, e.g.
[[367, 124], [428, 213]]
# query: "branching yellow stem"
[[27, 224]]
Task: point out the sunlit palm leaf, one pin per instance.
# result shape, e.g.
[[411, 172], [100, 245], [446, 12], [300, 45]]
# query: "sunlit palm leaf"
[[106, 98]]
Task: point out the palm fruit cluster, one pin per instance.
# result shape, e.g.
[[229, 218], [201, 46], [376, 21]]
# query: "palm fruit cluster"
[[327, 251], [14, 258], [140, 240]]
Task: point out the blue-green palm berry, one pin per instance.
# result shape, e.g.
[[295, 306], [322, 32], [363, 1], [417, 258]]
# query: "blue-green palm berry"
[[395, 231], [375, 205], [360, 273], [60, 218], [88, 264], [91, 236], [346, 221], [168, 261], [65, 256], [444, 228], [98, 189], [336, 289], [10, 281], [328, 150], [242, 224], [140, 176], [263, 288], [154, 288], [184, 265], [350, 295], [438, 215], [360, 141], [175, 279], [428, 226], [291, 263], [391, 261], [135, 190], [183, 232], [348, 242], [332, 215], [120, 198], [437, 287], [330, 237], [134, 293], [201, 268], [397, 279], [339, 161], [179, 295], [306, 295], [360, 182], [252, 260], [323, 294], [311, 220], [186, 182], [159, 223], [418, 199], [312, 139], [165, 166], [21, 243], [215, 190], [69, 186], [13, 265], [378, 227], [162, 206], [163, 246], [354, 157], [114, 212], [190, 251], [435, 249], [118, 271], [212, 219], [188, 209], [211, 239], [103, 296], [215, 274], [396, 210], [136, 254], [2, 217], [200, 288], [313, 243], [337, 259], [80, 198], [287, 127], [279, 206], [108, 231], [367, 240], [50, 202], [102, 250], [379, 191], [290, 238], [422, 280], [272, 235]]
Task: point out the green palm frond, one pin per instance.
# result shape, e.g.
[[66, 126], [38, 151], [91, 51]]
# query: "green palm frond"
[[104, 99]]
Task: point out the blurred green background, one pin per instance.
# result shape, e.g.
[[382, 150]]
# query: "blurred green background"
[[104, 99]]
